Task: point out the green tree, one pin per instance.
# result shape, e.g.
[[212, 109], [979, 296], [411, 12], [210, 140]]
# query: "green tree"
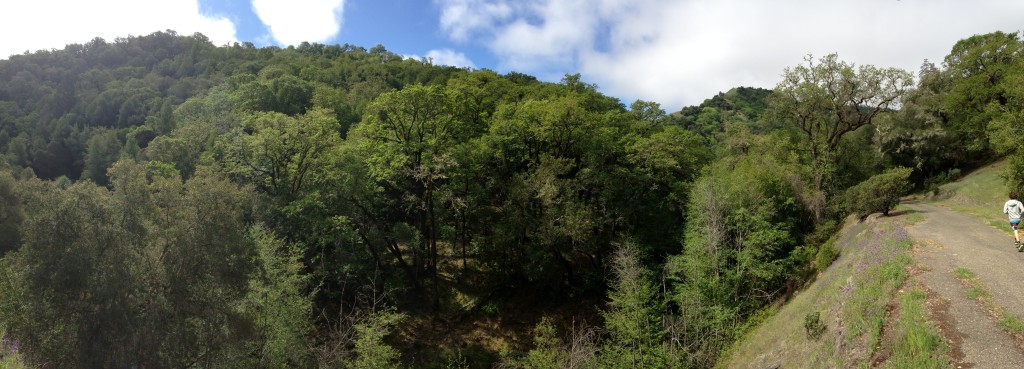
[[103, 149], [406, 136], [880, 193], [658, 169], [163, 122], [150, 273], [76, 266], [550, 163], [11, 213], [279, 154], [634, 316], [197, 257], [547, 351], [743, 227], [370, 350], [825, 101], [979, 66], [277, 301], [917, 136], [1006, 127]]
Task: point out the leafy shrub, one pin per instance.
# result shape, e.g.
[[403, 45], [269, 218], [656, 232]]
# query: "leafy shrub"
[[820, 248], [370, 349], [813, 325], [826, 255], [457, 361], [548, 347], [878, 194], [491, 308]]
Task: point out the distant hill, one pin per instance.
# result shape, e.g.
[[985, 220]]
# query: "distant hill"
[[745, 104]]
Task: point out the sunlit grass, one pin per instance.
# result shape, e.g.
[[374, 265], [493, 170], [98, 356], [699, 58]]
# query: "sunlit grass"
[[917, 342], [1011, 323], [883, 272], [980, 193], [963, 273], [914, 218]]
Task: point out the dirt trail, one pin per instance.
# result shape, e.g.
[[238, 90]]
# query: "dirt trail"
[[952, 240]]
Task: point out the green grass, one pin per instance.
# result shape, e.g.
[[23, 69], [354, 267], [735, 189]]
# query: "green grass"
[[914, 218], [14, 361], [976, 293], [917, 342], [872, 289], [981, 193], [964, 273], [979, 187], [1011, 323]]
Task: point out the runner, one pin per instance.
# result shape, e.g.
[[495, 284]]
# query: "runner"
[[1014, 209]]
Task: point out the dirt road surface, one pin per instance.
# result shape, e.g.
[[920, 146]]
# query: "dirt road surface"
[[950, 240]]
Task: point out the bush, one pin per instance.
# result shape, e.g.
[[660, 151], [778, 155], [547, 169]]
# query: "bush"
[[826, 255], [370, 349], [813, 325], [878, 194]]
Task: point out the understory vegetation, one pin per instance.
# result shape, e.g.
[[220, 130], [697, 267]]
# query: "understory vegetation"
[[169, 203]]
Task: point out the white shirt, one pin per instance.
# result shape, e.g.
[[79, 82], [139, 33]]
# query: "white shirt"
[[1013, 208]]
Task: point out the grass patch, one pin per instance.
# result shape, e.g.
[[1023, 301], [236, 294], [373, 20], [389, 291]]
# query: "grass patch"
[[1011, 323], [976, 293], [914, 218], [976, 189], [981, 193], [883, 272], [916, 342], [964, 273]]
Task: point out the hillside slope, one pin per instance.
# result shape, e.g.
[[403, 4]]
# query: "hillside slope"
[[925, 287]]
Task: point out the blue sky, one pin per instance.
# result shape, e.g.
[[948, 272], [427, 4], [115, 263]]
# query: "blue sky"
[[408, 28], [674, 52]]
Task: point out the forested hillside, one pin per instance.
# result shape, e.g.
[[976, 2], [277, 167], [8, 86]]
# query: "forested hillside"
[[169, 203]]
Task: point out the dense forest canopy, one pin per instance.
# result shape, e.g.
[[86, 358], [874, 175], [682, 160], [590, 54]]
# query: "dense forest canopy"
[[168, 203]]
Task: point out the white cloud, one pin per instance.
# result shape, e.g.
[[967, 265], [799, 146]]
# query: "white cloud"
[[445, 57], [560, 31], [679, 52], [293, 21], [53, 24], [461, 17], [450, 57]]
